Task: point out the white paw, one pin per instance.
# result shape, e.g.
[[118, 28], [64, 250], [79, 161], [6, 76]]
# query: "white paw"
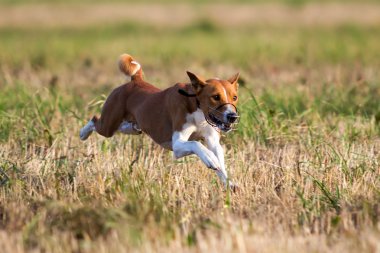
[[233, 187], [210, 160], [87, 130], [129, 128]]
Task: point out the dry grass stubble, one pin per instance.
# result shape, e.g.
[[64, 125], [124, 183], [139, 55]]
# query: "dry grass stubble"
[[127, 192]]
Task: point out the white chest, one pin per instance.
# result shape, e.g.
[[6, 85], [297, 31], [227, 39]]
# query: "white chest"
[[195, 124], [199, 123]]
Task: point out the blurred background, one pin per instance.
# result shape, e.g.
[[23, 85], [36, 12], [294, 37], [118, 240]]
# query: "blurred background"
[[78, 42], [309, 50]]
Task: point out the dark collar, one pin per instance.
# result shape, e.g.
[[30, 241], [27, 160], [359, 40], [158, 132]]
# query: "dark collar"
[[186, 94]]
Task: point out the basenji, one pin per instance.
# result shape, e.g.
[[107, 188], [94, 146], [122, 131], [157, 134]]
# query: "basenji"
[[176, 118]]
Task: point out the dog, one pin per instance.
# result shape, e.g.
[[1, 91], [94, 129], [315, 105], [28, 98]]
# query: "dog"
[[176, 118]]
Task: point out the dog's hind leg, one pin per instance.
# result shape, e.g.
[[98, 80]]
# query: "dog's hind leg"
[[87, 130], [106, 130], [113, 113], [129, 128], [108, 124]]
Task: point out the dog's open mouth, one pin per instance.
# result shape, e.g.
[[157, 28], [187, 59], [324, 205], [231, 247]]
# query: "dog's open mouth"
[[225, 127]]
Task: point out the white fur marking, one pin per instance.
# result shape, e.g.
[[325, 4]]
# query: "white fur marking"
[[225, 93], [137, 69], [229, 109], [213, 157], [212, 142], [87, 130], [129, 128]]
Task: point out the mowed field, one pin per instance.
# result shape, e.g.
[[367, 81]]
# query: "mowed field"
[[306, 154]]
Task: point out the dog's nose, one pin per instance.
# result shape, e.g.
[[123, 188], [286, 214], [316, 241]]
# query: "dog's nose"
[[232, 117]]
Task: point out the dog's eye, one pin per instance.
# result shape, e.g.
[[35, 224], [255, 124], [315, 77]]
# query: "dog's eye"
[[216, 97], [234, 98]]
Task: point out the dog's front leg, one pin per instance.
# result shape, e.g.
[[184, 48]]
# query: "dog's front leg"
[[182, 147], [213, 143]]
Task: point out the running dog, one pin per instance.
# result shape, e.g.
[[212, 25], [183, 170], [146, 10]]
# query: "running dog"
[[176, 118]]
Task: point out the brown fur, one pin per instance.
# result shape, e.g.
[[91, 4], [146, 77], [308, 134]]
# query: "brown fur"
[[159, 113], [207, 89]]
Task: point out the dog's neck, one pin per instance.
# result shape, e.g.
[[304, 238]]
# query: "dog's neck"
[[190, 94]]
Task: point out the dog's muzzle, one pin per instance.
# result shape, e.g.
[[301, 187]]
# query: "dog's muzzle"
[[216, 118], [222, 120], [232, 117]]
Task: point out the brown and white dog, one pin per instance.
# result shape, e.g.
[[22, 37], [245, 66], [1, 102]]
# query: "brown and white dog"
[[173, 118]]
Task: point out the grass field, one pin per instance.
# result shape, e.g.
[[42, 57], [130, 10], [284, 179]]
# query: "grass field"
[[306, 154]]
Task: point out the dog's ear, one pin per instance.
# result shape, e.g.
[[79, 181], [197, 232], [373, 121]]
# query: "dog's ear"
[[197, 82], [234, 79]]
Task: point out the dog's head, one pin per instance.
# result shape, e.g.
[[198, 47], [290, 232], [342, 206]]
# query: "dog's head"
[[217, 99]]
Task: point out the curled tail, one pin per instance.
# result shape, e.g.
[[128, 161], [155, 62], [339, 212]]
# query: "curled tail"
[[129, 66]]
